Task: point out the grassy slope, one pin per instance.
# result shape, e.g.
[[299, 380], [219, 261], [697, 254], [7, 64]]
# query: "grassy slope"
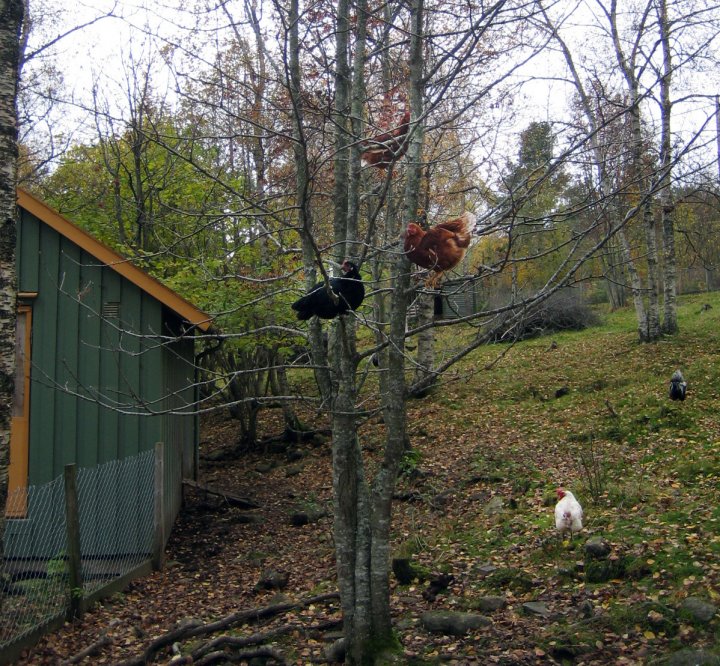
[[645, 469]]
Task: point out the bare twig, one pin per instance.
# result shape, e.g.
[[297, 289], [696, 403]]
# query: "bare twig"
[[611, 409], [230, 498]]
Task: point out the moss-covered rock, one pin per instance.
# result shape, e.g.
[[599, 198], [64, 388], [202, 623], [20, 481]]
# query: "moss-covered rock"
[[513, 579], [453, 623]]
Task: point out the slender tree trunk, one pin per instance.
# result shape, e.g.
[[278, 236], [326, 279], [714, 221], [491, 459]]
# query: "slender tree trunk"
[[717, 131], [302, 186], [636, 288], [357, 102], [259, 81], [425, 357], [670, 324], [363, 512], [612, 270], [11, 16], [341, 116], [281, 386], [394, 399], [351, 498], [653, 279], [648, 319]]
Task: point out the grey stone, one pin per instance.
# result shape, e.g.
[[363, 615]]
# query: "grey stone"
[[536, 608], [699, 609], [690, 657], [491, 604], [271, 579], [485, 569], [495, 506], [319, 440], [335, 652], [452, 623], [300, 518], [597, 548], [586, 609]]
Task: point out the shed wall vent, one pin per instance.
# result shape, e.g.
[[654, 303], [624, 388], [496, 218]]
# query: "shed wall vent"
[[111, 310]]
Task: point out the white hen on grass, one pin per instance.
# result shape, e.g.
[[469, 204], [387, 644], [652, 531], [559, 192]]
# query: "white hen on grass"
[[568, 513]]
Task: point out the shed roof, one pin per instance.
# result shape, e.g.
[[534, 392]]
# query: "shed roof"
[[113, 260]]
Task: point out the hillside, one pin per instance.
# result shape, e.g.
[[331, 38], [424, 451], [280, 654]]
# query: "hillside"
[[587, 410]]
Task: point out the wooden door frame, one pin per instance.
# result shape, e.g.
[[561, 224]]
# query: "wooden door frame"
[[20, 422]]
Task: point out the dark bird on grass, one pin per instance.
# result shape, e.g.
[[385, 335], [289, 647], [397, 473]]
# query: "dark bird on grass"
[[678, 386], [438, 584], [348, 294]]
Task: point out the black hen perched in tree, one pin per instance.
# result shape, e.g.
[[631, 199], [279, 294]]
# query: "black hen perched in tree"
[[678, 386], [348, 289]]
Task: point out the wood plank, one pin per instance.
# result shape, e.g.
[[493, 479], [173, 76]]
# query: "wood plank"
[[28, 252], [43, 428]]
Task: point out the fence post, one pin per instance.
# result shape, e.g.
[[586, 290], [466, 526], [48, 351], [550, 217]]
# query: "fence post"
[[158, 559], [72, 526]]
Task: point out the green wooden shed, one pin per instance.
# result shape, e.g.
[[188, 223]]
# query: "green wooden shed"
[[105, 368], [459, 298]]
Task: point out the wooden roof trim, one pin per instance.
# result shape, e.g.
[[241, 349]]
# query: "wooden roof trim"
[[114, 260]]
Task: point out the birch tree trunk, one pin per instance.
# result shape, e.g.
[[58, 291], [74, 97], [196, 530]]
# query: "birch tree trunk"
[[636, 288], [653, 277], [669, 324], [11, 17], [649, 324]]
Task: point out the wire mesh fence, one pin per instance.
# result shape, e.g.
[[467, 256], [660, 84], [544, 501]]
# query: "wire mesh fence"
[[116, 518], [36, 589]]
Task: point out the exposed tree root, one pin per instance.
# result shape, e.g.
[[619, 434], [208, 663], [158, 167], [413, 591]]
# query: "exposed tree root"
[[195, 628], [230, 498], [91, 649], [209, 651], [222, 657]]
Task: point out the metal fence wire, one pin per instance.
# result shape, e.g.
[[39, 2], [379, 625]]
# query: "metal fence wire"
[[35, 585], [116, 516]]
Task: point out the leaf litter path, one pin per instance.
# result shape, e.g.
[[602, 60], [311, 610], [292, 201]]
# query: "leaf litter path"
[[215, 558]]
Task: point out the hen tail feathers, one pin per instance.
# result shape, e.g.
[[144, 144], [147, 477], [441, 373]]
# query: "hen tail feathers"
[[462, 227]]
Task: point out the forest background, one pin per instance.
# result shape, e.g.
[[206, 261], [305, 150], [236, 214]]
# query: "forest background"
[[221, 152]]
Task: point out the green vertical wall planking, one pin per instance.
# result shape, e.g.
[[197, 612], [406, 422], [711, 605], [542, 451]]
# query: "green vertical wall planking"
[[100, 358]]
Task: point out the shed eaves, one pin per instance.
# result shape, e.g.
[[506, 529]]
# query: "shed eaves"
[[115, 261]]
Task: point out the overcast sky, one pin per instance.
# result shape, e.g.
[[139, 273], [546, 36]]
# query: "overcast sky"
[[98, 51]]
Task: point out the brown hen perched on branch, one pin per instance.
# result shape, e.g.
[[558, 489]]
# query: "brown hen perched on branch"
[[442, 247], [382, 150]]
